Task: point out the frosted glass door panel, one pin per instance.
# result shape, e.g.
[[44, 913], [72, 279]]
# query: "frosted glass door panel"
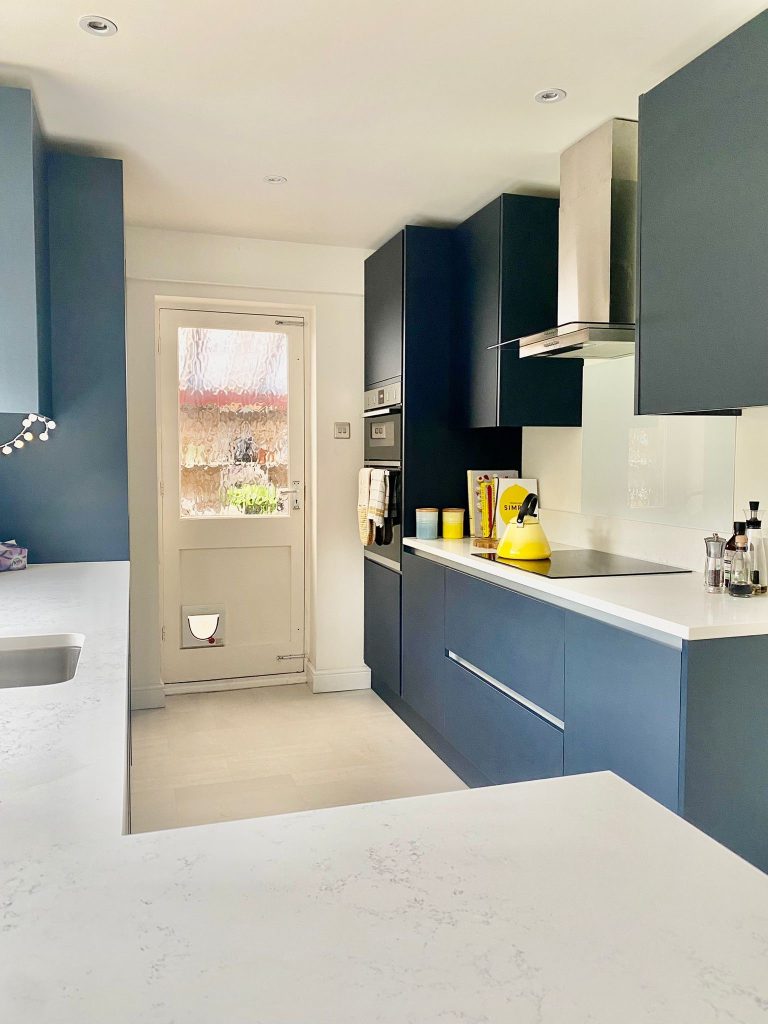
[[233, 422], [671, 470]]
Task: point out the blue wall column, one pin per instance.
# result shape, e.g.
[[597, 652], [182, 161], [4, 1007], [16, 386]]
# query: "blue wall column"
[[67, 499]]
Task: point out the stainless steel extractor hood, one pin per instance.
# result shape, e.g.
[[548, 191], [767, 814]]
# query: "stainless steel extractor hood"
[[596, 268]]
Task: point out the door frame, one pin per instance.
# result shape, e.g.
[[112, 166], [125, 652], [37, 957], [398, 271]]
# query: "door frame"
[[198, 304]]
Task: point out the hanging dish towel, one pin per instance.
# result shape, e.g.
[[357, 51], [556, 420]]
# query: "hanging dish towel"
[[393, 504], [378, 497], [365, 526]]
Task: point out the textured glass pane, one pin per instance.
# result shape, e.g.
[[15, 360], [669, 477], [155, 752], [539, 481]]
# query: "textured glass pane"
[[233, 422]]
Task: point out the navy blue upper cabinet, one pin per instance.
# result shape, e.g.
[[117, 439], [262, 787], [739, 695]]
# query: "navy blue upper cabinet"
[[25, 383], [703, 239], [384, 312], [507, 269]]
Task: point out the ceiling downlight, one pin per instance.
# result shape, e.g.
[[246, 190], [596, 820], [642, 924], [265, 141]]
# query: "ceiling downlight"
[[550, 95], [95, 25], [275, 179]]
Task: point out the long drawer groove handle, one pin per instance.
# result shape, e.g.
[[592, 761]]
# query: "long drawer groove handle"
[[518, 698]]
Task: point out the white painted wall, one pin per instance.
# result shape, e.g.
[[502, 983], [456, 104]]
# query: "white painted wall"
[[553, 455], [329, 280]]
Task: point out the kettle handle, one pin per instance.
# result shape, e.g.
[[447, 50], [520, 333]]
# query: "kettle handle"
[[528, 508]]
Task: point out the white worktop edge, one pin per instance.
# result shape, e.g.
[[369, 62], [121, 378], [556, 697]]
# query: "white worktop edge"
[[625, 601]]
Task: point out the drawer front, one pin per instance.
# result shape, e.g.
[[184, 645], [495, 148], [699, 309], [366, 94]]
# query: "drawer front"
[[382, 627], [423, 637], [504, 740], [515, 639]]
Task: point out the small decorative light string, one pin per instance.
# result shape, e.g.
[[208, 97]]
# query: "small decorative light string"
[[44, 425]]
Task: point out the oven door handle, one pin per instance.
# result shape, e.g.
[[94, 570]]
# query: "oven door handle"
[[382, 412]]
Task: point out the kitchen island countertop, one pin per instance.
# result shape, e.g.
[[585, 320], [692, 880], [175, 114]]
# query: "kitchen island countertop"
[[564, 900]]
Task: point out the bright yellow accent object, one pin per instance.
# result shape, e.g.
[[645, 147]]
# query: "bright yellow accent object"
[[525, 542], [453, 523]]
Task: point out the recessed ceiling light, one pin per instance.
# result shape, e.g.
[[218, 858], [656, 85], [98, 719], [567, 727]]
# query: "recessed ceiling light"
[[96, 25], [275, 179], [550, 95]]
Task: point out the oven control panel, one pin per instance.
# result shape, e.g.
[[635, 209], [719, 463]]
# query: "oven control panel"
[[386, 395]]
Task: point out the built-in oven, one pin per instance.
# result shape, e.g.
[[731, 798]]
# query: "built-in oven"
[[382, 449]]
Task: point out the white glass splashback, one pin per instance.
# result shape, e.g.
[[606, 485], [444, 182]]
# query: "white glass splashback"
[[670, 470]]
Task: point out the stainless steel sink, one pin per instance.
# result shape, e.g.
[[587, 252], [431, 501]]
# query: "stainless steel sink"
[[39, 660]]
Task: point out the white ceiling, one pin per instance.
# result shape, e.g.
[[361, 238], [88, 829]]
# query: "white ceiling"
[[378, 112]]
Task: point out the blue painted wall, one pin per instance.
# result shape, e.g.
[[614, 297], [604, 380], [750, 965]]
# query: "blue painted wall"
[[67, 499], [24, 315]]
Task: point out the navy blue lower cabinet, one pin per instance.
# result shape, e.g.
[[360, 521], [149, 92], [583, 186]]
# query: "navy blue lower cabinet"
[[381, 647], [424, 638], [515, 639], [505, 741], [726, 743], [623, 707]]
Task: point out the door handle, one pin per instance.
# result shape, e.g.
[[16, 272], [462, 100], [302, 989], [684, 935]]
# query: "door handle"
[[296, 490]]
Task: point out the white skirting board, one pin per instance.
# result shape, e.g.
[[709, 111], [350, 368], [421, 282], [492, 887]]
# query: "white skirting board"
[[331, 680], [145, 697]]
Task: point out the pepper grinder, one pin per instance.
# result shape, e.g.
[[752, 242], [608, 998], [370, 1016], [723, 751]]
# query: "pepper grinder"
[[713, 564]]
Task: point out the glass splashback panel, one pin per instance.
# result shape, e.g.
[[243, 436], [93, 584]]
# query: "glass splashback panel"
[[233, 422], [671, 470]]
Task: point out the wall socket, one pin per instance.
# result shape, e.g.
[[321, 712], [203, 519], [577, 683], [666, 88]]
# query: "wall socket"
[[341, 431]]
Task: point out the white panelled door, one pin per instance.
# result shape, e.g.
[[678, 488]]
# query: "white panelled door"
[[231, 411]]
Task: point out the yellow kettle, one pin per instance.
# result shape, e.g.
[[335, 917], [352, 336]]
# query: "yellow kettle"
[[524, 538]]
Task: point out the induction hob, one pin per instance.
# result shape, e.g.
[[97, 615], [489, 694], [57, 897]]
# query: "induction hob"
[[576, 563]]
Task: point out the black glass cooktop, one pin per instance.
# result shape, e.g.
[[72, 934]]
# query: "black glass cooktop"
[[575, 563]]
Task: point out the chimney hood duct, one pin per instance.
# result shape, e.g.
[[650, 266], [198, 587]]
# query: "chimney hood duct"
[[598, 229]]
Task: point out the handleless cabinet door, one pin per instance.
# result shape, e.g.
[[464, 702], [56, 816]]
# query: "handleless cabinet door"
[[384, 312], [703, 238], [381, 648], [424, 638], [622, 707], [503, 740], [515, 639]]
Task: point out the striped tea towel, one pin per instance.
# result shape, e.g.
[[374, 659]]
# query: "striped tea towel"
[[364, 524], [378, 498]]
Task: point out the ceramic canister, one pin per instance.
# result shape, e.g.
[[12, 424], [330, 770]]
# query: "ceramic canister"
[[426, 523], [453, 523]]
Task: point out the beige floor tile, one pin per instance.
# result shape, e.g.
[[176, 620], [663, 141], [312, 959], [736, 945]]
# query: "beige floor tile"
[[153, 811], [226, 801], [245, 753]]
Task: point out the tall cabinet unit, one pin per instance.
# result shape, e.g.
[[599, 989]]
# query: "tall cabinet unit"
[[703, 232], [507, 258], [411, 284]]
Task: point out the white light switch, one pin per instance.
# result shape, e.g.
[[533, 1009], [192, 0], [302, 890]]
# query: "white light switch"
[[341, 431]]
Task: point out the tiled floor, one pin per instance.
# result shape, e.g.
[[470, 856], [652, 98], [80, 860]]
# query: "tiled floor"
[[245, 753]]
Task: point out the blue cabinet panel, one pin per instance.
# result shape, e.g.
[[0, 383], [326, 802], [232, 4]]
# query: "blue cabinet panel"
[[622, 707], [515, 639], [25, 383], [508, 288], [381, 646], [384, 312], [703, 228], [424, 638], [726, 744], [505, 741]]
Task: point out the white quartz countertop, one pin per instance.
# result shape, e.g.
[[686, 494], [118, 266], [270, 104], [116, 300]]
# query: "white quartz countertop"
[[568, 900], [63, 748], [674, 605]]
